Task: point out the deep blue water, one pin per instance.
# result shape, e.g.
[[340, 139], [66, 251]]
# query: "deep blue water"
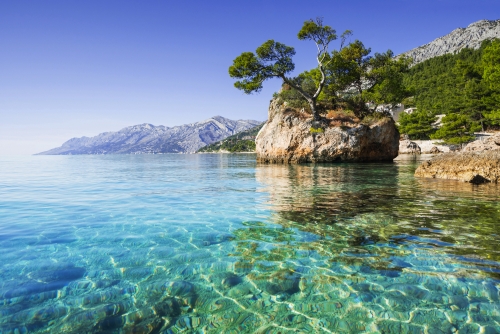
[[221, 244]]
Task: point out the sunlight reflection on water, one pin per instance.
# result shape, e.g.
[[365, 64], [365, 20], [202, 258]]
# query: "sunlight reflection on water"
[[218, 243]]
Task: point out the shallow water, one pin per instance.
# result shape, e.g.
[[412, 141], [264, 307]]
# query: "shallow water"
[[220, 244]]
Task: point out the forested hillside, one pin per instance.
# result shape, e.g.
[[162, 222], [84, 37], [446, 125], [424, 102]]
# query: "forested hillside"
[[240, 142], [463, 86]]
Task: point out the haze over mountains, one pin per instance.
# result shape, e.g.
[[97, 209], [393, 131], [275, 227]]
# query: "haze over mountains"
[[470, 37], [147, 138]]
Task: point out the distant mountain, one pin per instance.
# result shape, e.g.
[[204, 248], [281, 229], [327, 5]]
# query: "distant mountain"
[[147, 138], [241, 142], [470, 37]]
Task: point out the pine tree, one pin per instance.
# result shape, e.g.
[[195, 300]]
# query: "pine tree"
[[417, 125]]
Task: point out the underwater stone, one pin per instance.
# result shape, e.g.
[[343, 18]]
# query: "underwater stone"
[[44, 314], [178, 288], [194, 256], [33, 288], [240, 290], [138, 273], [434, 319], [409, 290], [105, 274], [367, 287], [398, 301], [111, 323], [207, 239], [65, 274], [231, 280], [388, 326], [163, 252]]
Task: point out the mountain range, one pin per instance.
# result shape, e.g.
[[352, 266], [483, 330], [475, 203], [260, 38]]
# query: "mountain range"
[[188, 138], [460, 38], [147, 138]]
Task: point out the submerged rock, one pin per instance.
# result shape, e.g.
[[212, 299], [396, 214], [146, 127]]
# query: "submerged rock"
[[293, 137], [473, 167]]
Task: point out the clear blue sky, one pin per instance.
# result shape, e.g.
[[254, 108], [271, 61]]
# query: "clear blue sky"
[[78, 68]]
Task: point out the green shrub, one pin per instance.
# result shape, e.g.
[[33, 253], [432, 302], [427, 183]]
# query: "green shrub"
[[316, 130]]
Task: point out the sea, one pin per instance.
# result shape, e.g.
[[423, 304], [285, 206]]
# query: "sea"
[[218, 243]]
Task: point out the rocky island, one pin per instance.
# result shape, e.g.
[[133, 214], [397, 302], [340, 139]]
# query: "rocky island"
[[338, 111], [287, 138]]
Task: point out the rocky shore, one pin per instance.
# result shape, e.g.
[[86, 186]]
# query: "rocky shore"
[[423, 147], [484, 143], [292, 137], [473, 167]]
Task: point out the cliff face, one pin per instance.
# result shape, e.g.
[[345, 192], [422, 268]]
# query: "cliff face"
[[147, 138], [470, 37], [286, 138]]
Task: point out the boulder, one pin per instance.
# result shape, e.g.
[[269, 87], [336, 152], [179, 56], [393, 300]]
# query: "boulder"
[[473, 167], [409, 147], [435, 150], [290, 136], [484, 144]]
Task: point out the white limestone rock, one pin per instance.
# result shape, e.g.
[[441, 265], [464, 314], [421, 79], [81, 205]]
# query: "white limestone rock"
[[470, 37], [286, 138], [484, 143]]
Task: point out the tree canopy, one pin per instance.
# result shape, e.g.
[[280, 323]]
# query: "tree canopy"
[[464, 86], [345, 78]]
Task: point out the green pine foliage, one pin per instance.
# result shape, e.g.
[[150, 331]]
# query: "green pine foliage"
[[456, 129], [418, 125], [234, 143], [464, 86], [348, 78], [355, 80]]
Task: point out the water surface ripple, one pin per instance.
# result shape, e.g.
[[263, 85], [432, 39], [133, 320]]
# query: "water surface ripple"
[[221, 244]]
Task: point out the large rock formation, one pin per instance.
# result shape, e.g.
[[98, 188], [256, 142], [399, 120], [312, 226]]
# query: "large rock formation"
[[147, 138], [286, 138], [484, 143], [470, 37], [474, 167]]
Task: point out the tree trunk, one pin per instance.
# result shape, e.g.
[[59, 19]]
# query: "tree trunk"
[[310, 99], [314, 110]]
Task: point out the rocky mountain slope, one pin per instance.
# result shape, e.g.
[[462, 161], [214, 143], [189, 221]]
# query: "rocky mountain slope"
[[470, 37], [240, 142], [147, 138]]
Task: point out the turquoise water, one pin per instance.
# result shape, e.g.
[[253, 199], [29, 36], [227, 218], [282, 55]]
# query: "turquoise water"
[[220, 244]]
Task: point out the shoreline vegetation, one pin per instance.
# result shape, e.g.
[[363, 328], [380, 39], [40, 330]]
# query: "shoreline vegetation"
[[454, 95]]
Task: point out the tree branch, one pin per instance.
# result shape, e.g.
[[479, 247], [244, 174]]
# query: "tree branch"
[[308, 97]]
